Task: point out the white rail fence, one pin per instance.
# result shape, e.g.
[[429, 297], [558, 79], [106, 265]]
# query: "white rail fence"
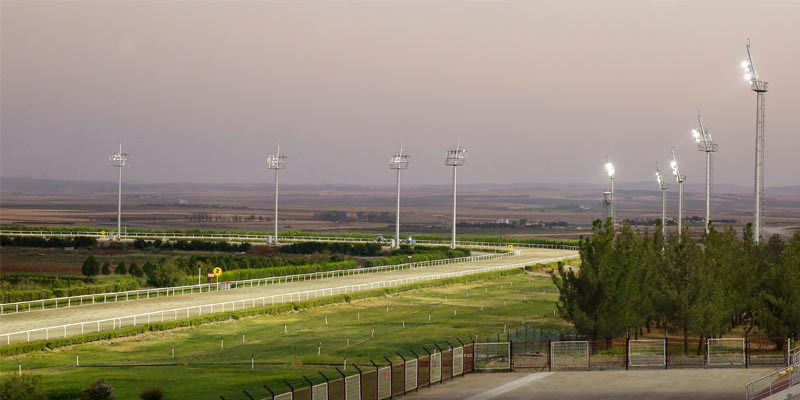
[[111, 297], [265, 238], [773, 383], [77, 328]]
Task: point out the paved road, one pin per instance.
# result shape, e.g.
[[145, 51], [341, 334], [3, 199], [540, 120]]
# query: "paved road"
[[674, 384], [56, 317]]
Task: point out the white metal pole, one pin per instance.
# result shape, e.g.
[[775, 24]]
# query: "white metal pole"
[[276, 205], [759, 172], [198, 275], [708, 189], [664, 213], [612, 200], [119, 199], [453, 239], [397, 216], [680, 207]]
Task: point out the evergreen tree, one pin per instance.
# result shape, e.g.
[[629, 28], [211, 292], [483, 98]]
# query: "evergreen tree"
[[90, 266], [134, 270], [106, 268], [121, 269]]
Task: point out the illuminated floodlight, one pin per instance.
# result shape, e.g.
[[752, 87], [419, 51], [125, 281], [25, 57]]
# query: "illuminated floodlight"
[[276, 162], [609, 198], [455, 157], [397, 162], [120, 160]]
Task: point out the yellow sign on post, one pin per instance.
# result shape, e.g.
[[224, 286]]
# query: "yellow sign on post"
[[510, 247], [103, 233], [217, 271]]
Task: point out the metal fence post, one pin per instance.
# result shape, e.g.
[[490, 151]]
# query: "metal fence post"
[[625, 350], [289, 385], [549, 354], [271, 393]]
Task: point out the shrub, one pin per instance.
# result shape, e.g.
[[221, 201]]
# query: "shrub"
[[99, 390], [90, 266], [106, 268], [121, 268], [134, 270], [164, 274], [25, 387], [151, 393]]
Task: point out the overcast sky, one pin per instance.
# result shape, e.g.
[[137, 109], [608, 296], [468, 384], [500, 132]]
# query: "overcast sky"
[[537, 91]]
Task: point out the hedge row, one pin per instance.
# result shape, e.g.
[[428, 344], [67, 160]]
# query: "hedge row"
[[490, 239], [419, 256], [43, 345], [11, 296], [257, 273], [36, 241], [353, 249]]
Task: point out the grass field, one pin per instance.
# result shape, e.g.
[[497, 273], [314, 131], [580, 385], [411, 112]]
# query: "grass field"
[[202, 369]]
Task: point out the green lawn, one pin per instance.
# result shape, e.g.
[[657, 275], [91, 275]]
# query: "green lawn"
[[202, 369]]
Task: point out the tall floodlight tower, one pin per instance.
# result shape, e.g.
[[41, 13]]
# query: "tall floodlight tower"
[[705, 144], [455, 158], [119, 160], [610, 172], [276, 162], [760, 87], [663, 186], [680, 178], [398, 162]]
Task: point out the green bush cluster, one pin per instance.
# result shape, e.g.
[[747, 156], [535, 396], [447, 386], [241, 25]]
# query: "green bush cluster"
[[352, 249], [203, 245], [11, 296], [418, 254], [46, 345], [36, 241], [256, 273]]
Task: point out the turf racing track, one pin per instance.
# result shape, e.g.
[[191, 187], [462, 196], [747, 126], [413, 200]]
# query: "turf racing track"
[[53, 323]]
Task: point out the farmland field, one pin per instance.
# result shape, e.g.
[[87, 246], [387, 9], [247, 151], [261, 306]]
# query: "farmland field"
[[203, 369]]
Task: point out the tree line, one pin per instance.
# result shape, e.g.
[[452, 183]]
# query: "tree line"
[[629, 280], [36, 241]]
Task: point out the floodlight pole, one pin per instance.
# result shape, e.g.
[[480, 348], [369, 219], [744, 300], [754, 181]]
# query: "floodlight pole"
[[680, 178], [610, 202], [397, 162], [663, 186], [705, 144], [276, 162], [119, 160], [760, 87], [453, 236], [455, 157]]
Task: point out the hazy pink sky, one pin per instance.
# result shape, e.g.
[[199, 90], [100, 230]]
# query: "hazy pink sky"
[[537, 91]]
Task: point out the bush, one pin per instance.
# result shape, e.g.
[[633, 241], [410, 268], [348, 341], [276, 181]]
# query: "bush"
[[99, 390], [90, 267], [355, 249], [164, 275], [106, 270], [134, 270], [121, 268], [25, 387], [151, 393]]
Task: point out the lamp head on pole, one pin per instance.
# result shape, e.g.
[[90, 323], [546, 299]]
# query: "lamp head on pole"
[[276, 161], [399, 160], [456, 156]]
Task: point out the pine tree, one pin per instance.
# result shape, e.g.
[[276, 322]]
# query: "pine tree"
[[90, 266]]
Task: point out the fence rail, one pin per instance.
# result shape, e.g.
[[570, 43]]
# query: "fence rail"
[[267, 238], [79, 328], [774, 382], [88, 299]]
